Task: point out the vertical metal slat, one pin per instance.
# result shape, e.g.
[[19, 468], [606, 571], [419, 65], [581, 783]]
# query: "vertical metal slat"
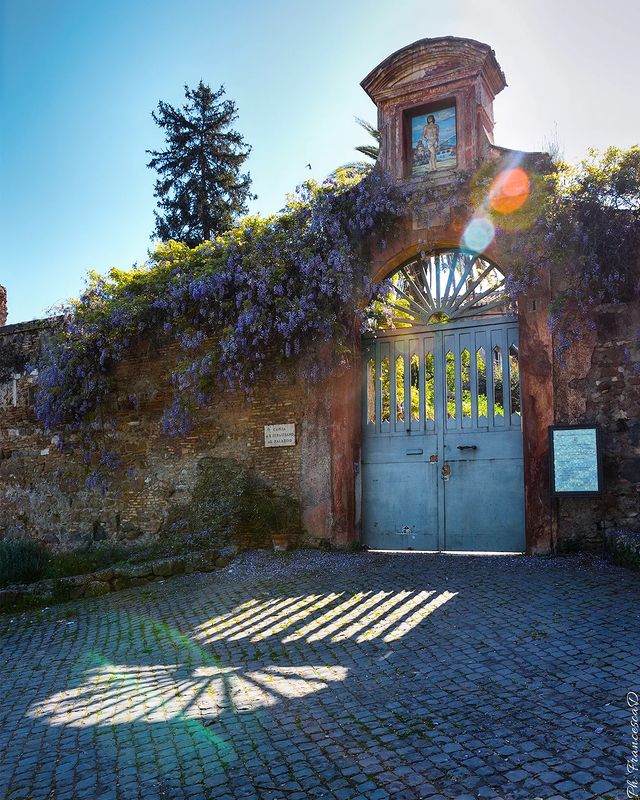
[[497, 341]]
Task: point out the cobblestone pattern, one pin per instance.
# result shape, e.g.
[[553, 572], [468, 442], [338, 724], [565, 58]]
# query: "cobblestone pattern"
[[112, 579], [314, 675]]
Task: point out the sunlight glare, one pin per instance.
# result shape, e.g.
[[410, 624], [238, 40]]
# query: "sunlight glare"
[[272, 620], [371, 618], [381, 626], [417, 617], [282, 625], [350, 617], [119, 694]]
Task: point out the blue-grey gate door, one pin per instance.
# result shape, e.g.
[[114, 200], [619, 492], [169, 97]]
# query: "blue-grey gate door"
[[442, 441]]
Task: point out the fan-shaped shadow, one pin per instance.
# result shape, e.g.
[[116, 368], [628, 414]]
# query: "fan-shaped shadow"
[[206, 687]]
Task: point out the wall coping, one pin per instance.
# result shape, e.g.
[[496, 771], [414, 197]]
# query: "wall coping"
[[439, 58], [30, 325]]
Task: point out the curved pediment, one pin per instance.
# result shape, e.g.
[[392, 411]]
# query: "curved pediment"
[[430, 62]]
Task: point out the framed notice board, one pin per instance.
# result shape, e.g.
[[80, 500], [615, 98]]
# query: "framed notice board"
[[575, 460]]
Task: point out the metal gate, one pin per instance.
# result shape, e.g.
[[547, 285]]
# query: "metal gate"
[[442, 442]]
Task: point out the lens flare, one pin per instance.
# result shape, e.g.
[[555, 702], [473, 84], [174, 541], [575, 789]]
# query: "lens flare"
[[478, 234], [509, 191]]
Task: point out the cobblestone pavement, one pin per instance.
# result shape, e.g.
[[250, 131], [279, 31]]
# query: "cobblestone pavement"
[[329, 675]]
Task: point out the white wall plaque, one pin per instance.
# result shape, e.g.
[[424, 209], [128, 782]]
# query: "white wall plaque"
[[576, 463], [280, 435]]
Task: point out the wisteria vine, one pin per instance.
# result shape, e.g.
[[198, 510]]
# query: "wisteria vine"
[[285, 290], [268, 291]]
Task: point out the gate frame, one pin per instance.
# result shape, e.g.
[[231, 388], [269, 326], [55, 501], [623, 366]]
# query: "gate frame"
[[536, 377]]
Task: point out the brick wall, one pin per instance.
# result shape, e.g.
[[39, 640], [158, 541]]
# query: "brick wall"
[[42, 491]]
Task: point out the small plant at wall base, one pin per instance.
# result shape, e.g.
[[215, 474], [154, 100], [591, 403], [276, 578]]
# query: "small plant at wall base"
[[22, 561], [285, 522], [26, 560], [623, 547], [229, 504]]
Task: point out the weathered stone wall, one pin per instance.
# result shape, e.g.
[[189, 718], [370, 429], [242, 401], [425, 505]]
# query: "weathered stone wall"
[[3, 306], [42, 487], [598, 381]]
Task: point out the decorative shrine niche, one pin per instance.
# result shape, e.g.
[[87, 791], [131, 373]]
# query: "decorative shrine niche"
[[435, 107], [430, 138]]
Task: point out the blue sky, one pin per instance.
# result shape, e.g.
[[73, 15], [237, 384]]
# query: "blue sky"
[[79, 79]]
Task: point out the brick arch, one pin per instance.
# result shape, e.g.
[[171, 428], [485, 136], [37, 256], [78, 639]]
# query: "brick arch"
[[404, 251], [410, 242]]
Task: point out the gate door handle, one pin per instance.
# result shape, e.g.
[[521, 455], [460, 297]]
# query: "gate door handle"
[[416, 452], [467, 447]]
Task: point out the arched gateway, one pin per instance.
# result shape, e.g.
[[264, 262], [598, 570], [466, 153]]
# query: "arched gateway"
[[452, 449], [442, 464]]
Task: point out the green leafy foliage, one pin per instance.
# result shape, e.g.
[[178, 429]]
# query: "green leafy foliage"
[[372, 149], [27, 560], [22, 561], [89, 559], [230, 503], [581, 221], [466, 401], [594, 231]]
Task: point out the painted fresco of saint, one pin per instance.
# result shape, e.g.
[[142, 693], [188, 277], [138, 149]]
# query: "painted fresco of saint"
[[433, 141]]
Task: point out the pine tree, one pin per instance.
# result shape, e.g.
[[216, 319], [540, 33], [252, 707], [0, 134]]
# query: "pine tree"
[[200, 189]]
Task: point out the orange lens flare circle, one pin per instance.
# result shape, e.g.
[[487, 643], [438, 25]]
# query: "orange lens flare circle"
[[509, 191]]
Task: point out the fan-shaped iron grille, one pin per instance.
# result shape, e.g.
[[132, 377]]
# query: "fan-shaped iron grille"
[[442, 287]]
